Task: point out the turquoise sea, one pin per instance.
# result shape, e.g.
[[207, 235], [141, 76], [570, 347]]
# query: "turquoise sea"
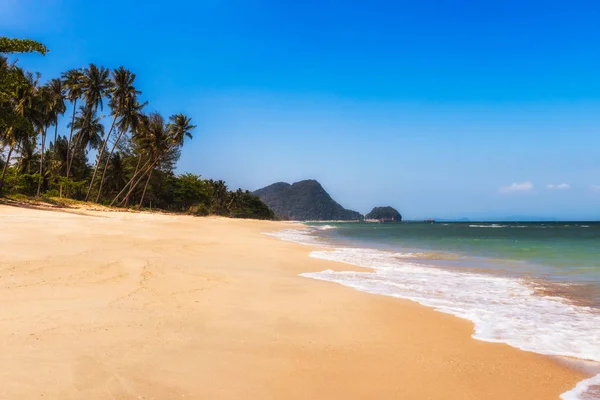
[[565, 253], [534, 286]]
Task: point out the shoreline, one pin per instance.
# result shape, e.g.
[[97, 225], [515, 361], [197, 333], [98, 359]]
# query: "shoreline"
[[169, 306]]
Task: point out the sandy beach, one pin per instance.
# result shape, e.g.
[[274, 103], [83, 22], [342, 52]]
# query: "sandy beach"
[[116, 305]]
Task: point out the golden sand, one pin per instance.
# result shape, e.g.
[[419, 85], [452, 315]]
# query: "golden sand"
[[105, 305]]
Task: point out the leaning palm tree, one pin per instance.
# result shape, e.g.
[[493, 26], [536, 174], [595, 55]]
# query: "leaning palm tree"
[[179, 127], [156, 141], [121, 93], [116, 172], [129, 121], [73, 83]]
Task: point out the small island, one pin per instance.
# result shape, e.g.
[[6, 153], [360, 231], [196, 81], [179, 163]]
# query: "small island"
[[384, 214]]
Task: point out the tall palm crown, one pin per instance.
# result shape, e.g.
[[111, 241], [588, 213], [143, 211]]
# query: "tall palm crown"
[[73, 84], [95, 85], [26, 98], [156, 138], [57, 89], [59, 107], [122, 91], [181, 127], [88, 130], [131, 115]]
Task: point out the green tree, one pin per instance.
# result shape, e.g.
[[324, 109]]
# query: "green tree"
[[21, 46]]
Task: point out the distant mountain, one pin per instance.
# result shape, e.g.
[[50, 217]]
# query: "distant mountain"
[[304, 201], [386, 213]]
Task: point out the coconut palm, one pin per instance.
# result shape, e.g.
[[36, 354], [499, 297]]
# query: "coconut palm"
[[122, 95], [89, 130], [45, 118], [181, 127], [155, 142], [116, 176], [129, 121], [95, 85], [25, 112], [73, 83], [57, 91], [219, 195]]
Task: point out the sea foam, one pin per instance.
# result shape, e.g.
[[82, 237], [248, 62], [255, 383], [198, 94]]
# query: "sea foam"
[[503, 309]]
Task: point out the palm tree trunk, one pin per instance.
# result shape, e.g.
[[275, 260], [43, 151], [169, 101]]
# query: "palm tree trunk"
[[20, 161], [70, 165], [129, 183], [41, 164], [100, 158], [69, 145], [106, 165], [135, 173], [6, 167], [134, 185], [55, 130], [146, 187]]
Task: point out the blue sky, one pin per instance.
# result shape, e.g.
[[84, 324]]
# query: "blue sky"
[[439, 108]]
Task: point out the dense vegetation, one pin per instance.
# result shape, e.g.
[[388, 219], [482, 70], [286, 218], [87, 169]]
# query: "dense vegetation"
[[135, 151], [386, 213], [304, 201]]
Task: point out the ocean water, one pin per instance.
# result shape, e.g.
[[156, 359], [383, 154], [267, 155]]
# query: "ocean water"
[[534, 286]]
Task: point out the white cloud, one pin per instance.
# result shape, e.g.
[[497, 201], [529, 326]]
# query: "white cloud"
[[517, 187], [560, 186]]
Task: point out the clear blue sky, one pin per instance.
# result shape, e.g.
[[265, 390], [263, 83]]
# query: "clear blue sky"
[[439, 108]]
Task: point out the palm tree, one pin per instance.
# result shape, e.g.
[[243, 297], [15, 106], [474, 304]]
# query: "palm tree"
[[57, 91], [167, 138], [116, 172], [219, 194], [95, 84], [11, 138], [155, 142], [181, 127], [25, 111], [89, 130], [45, 119], [122, 95], [73, 83], [51, 104]]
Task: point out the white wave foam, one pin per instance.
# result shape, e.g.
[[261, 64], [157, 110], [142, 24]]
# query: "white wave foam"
[[302, 236], [325, 227], [581, 391], [503, 309], [488, 226]]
